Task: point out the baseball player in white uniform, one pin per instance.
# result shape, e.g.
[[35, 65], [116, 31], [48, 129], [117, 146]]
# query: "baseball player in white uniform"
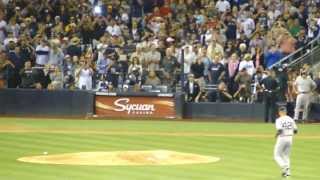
[[286, 128], [304, 86]]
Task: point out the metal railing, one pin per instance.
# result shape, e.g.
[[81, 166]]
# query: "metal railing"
[[299, 54]]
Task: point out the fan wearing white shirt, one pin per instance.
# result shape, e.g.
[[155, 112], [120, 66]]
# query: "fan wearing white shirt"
[[248, 26], [189, 58], [247, 63], [223, 5], [3, 25], [114, 29], [42, 53]]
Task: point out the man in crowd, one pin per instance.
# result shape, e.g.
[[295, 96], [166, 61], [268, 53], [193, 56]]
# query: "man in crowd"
[[192, 89]]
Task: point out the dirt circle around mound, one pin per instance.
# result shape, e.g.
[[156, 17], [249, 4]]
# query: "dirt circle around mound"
[[122, 158]]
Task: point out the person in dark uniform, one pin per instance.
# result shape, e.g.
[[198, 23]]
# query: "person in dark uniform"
[[282, 77], [192, 89], [270, 87]]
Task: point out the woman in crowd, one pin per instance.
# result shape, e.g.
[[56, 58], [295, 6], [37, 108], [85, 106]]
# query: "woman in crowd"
[[84, 75]]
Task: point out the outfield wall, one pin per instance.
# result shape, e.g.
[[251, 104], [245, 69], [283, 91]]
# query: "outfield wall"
[[64, 103], [43, 103], [224, 110]]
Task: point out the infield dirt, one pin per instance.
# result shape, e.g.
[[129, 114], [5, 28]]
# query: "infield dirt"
[[122, 158]]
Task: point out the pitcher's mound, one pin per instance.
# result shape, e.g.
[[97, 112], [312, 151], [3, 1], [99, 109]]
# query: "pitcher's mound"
[[122, 158]]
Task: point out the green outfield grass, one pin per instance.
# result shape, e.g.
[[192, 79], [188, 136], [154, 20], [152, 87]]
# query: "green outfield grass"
[[245, 149]]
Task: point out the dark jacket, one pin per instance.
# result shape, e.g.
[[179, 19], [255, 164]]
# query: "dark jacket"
[[192, 93]]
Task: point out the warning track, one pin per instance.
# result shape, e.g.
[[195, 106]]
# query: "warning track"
[[8, 129]]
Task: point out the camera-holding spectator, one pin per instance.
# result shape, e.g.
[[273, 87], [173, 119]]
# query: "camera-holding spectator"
[[27, 76], [68, 70], [243, 80], [192, 89], [223, 94], [26, 51], [135, 68]]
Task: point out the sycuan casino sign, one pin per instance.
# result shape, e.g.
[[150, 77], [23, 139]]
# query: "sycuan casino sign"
[[123, 104], [113, 106]]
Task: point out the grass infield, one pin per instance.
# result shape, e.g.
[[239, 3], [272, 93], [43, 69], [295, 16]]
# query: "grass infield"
[[245, 149]]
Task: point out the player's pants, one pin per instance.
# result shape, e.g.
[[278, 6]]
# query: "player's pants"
[[282, 151], [302, 103]]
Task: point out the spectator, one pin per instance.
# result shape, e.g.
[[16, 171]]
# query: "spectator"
[[42, 53], [74, 48], [56, 78], [6, 70], [192, 89], [113, 72], [189, 58], [272, 57], [56, 55], [113, 28], [216, 71], [84, 75], [267, 30], [197, 69], [139, 54], [102, 64], [27, 76], [153, 58], [68, 72], [152, 79], [170, 67], [213, 48], [135, 71], [223, 6], [232, 69], [223, 94], [247, 64], [243, 80]]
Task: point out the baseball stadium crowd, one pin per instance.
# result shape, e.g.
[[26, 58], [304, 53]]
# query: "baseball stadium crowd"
[[106, 45]]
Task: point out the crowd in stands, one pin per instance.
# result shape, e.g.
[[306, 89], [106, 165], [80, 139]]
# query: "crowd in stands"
[[105, 45]]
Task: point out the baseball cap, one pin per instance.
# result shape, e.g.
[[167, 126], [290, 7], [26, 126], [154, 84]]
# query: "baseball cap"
[[282, 109]]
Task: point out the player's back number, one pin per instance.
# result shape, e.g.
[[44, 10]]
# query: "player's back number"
[[287, 125]]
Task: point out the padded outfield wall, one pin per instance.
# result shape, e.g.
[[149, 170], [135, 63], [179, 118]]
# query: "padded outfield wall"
[[64, 103]]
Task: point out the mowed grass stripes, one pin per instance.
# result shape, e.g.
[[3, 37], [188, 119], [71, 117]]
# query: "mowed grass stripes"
[[242, 158]]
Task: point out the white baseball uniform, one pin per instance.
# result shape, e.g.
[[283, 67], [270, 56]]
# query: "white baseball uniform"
[[286, 125], [304, 86]]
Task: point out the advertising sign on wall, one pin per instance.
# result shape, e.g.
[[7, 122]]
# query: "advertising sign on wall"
[[155, 107]]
